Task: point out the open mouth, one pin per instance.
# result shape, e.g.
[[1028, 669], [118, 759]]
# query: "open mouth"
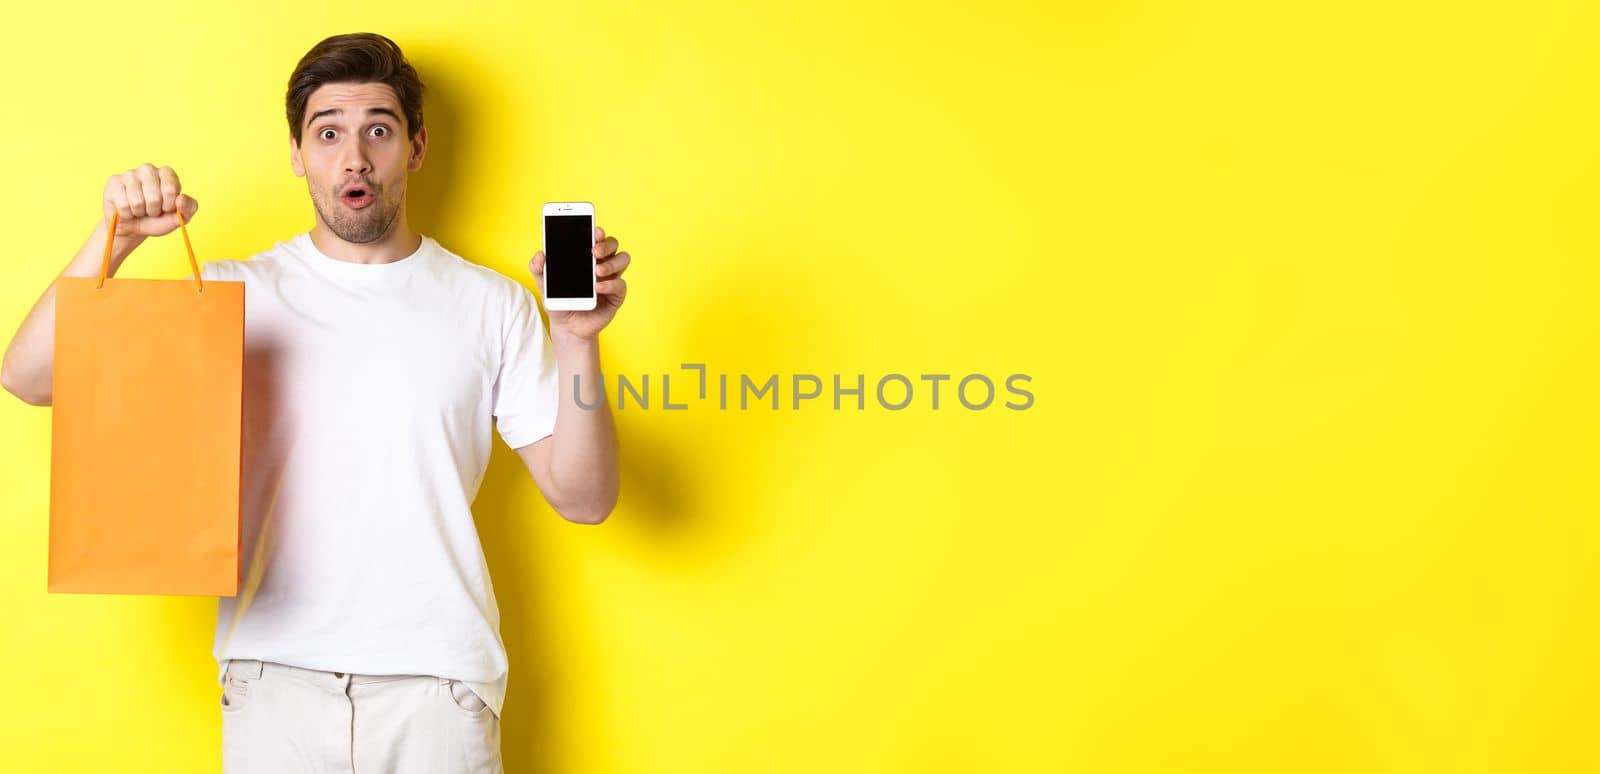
[[355, 197]]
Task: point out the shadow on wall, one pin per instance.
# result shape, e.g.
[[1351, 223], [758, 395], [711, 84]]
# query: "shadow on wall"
[[429, 206]]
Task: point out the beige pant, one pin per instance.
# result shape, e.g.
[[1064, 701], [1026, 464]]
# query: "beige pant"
[[280, 719]]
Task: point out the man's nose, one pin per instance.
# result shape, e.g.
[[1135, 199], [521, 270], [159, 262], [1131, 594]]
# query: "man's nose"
[[356, 163]]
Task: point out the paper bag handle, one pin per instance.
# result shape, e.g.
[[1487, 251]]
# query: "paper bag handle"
[[111, 234]]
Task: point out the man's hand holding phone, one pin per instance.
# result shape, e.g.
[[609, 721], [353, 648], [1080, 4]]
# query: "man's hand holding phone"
[[585, 273]]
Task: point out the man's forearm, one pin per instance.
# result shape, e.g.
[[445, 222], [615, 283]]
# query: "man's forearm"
[[583, 456], [30, 357]]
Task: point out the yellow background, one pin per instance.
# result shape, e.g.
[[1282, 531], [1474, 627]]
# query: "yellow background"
[[1305, 293]]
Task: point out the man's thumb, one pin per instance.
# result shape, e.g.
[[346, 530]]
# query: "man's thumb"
[[168, 223]]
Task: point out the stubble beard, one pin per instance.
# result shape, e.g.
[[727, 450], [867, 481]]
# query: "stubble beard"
[[357, 226]]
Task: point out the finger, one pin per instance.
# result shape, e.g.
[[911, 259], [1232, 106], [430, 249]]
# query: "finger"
[[117, 200], [605, 247], [169, 189], [599, 233], [168, 222], [536, 266], [150, 181], [613, 267], [135, 191], [613, 287]]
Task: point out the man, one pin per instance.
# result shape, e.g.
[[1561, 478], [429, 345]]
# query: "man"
[[365, 636]]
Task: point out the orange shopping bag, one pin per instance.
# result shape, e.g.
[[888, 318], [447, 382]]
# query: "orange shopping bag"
[[145, 459]]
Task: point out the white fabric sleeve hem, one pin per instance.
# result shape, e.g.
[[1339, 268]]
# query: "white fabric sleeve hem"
[[529, 436], [526, 391]]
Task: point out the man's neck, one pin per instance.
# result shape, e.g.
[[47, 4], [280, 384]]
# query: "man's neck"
[[399, 243]]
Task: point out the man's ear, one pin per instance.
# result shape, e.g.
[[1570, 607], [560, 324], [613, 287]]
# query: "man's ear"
[[294, 157], [419, 148]]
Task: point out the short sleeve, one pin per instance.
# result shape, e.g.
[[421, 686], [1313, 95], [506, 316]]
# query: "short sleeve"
[[526, 388]]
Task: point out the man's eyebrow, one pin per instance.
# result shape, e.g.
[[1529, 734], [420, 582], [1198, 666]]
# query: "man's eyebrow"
[[381, 111]]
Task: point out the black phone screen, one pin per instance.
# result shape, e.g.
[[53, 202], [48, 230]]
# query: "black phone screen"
[[568, 267]]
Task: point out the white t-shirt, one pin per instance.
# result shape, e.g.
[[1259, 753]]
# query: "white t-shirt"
[[368, 397]]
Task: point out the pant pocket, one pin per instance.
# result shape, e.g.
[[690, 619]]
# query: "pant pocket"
[[240, 679], [466, 699]]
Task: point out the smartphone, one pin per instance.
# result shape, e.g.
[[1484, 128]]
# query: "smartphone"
[[569, 264]]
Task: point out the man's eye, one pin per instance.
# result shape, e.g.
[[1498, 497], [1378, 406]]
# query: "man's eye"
[[380, 131], [326, 134]]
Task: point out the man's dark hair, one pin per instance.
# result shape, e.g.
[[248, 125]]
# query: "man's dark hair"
[[362, 57]]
